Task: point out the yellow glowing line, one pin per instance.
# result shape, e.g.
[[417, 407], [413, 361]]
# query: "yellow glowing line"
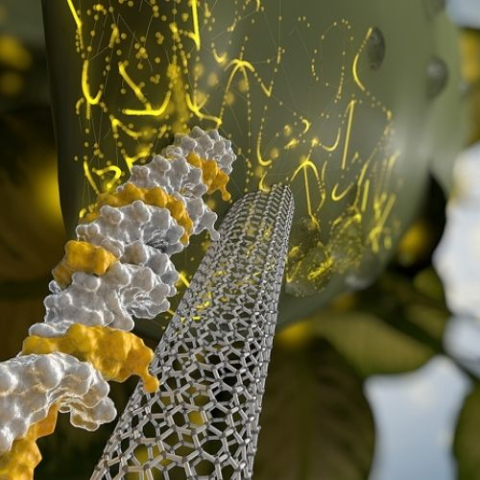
[[366, 191], [337, 198], [307, 193], [195, 36], [113, 36], [268, 91], [221, 59], [145, 152], [208, 13], [351, 108], [388, 209], [307, 125], [78, 105], [195, 109], [150, 111], [239, 65], [87, 173], [262, 185], [135, 88], [291, 144], [261, 161], [77, 21], [355, 73], [111, 168], [335, 145], [243, 65], [329, 148], [357, 58], [117, 123], [307, 163], [362, 173], [183, 279], [376, 232], [392, 160], [86, 87], [99, 8], [117, 174]]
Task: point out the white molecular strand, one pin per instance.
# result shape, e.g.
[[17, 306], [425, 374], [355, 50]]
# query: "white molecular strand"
[[177, 177], [143, 237], [117, 227], [31, 384], [112, 299], [209, 145]]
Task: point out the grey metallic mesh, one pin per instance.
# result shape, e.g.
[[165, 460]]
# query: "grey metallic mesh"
[[213, 358]]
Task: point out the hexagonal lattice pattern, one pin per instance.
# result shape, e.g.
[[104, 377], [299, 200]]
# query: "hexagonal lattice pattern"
[[213, 358]]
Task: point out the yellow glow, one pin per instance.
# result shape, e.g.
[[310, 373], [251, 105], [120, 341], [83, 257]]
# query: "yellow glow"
[[88, 175], [117, 174], [166, 84], [116, 123], [135, 88], [306, 165], [182, 278], [11, 83], [86, 86], [351, 110], [357, 58], [261, 161], [195, 109], [78, 22], [221, 59], [46, 193], [195, 35], [336, 197], [13, 53], [148, 110]]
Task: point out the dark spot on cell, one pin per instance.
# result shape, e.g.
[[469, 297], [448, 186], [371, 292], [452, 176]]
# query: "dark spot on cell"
[[376, 49], [437, 77]]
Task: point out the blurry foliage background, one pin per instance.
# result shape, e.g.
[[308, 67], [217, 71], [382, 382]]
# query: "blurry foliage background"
[[319, 366]]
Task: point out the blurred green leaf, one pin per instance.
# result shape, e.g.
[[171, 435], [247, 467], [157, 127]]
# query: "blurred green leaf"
[[466, 445], [316, 421], [392, 327], [370, 345]]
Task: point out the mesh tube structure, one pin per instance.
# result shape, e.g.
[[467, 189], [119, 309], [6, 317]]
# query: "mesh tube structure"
[[213, 359]]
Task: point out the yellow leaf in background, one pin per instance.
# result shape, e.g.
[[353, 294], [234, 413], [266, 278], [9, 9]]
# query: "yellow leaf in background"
[[31, 227], [31, 230], [470, 47]]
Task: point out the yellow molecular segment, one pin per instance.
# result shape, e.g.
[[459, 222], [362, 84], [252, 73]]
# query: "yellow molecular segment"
[[116, 354], [82, 257], [213, 176], [20, 462], [156, 197]]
